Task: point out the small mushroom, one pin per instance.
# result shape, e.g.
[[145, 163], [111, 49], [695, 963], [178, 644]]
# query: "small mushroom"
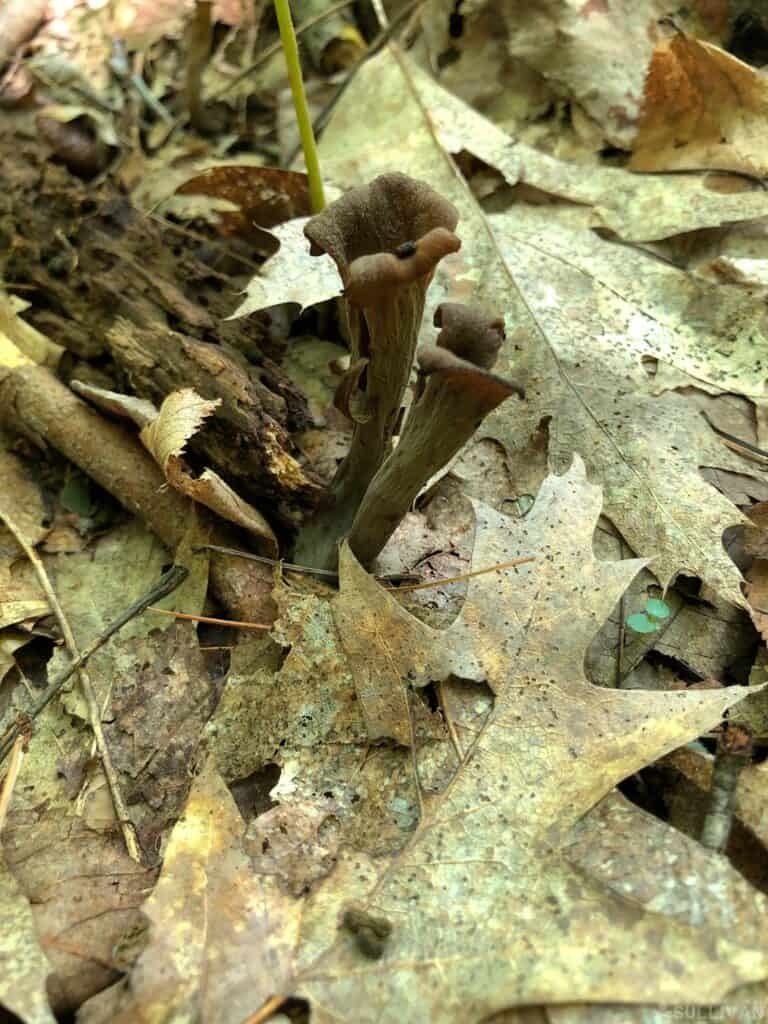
[[453, 397], [386, 239]]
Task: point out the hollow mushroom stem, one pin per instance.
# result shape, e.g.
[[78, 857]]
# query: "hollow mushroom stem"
[[386, 240], [454, 396]]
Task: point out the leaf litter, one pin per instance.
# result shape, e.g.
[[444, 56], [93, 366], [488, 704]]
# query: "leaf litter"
[[404, 806], [484, 910]]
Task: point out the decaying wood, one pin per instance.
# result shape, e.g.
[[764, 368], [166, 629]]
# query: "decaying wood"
[[103, 278], [245, 439], [34, 403]]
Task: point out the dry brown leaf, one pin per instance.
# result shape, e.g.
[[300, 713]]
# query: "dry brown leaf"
[[664, 870], [262, 196], [85, 893], [484, 912], [702, 108], [222, 936], [20, 498], [180, 417]]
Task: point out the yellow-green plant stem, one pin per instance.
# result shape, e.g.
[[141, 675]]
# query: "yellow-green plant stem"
[[291, 51]]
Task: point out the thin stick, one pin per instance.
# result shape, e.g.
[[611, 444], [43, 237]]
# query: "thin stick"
[[382, 579], [464, 576], [265, 560], [266, 1011], [381, 14], [307, 135], [622, 622], [14, 767], [206, 618], [449, 723], [166, 585], [94, 712]]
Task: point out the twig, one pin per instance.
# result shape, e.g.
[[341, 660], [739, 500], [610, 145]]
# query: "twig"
[[414, 755], [198, 39], [293, 567], [166, 585], [734, 752], [14, 767], [381, 14], [738, 444], [464, 576], [206, 618], [250, 556], [304, 121], [271, 1006], [449, 723], [622, 622], [94, 712], [382, 579]]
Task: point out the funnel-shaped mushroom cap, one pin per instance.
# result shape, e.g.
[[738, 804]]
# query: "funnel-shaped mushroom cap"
[[385, 234], [474, 388], [482, 391], [471, 334]]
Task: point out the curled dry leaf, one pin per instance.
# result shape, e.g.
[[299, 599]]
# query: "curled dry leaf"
[[140, 410], [702, 108], [181, 416]]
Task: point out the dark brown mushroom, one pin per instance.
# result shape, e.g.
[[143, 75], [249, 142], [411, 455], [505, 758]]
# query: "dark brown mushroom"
[[386, 239], [453, 397]]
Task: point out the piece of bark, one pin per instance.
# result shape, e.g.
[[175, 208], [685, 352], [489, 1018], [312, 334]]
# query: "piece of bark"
[[245, 439], [34, 403]]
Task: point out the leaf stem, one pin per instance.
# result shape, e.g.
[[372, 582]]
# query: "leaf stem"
[[291, 51]]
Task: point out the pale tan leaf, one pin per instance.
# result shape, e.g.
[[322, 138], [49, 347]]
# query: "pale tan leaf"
[[383, 644], [221, 936], [23, 965], [292, 275], [665, 871], [181, 416], [20, 342], [11, 640]]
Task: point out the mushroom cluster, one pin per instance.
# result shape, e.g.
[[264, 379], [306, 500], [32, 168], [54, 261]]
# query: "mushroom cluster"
[[386, 240]]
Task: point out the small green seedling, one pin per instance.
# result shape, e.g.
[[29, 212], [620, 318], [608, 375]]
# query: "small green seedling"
[[649, 621]]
